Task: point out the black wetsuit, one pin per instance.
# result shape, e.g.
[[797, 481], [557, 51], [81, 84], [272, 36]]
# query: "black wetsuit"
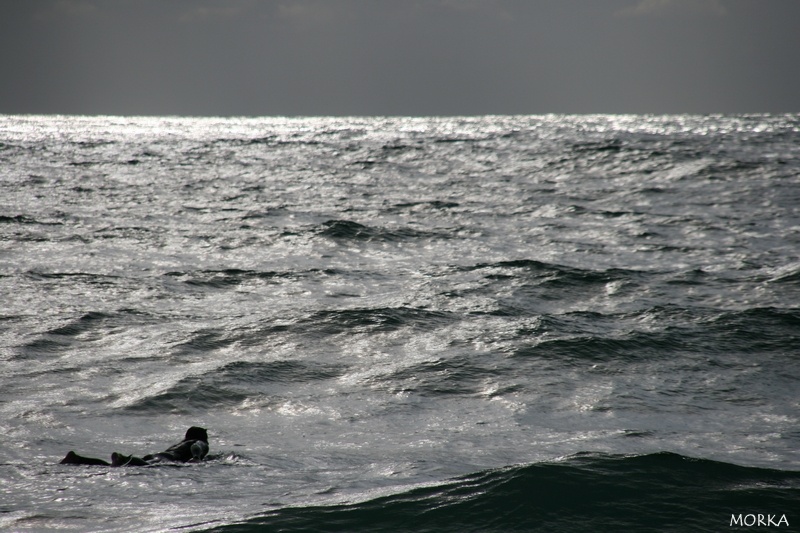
[[193, 448]]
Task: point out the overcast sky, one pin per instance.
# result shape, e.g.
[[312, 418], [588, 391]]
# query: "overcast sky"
[[398, 57]]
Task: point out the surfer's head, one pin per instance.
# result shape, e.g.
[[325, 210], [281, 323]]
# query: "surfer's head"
[[196, 433]]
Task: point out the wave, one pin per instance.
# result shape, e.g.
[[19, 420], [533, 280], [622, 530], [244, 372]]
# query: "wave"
[[230, 277], [444, 376], [349, 230], [531, 288], [710, 334], [585, 492], [91, 326], [233, 383], [382, 319], [422, 206], [552, 274], [25, 219]]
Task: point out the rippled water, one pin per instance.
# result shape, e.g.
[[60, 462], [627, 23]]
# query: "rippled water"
[[489, 323]]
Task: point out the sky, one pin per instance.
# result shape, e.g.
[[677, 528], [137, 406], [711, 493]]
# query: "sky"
[[398, 57]]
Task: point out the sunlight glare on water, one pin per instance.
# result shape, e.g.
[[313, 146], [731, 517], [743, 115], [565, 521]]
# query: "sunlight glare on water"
[[358, 307]]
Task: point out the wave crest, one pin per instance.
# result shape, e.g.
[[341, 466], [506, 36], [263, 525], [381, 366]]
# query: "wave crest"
[[586, 492]]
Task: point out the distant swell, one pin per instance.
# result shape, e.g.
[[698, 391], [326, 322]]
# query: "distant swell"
[[587, 492]]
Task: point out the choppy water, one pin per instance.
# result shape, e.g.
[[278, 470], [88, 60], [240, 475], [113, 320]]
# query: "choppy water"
[[561, 323]]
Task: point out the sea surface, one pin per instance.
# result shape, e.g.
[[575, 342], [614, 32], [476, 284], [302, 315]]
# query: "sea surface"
[[527, 323]]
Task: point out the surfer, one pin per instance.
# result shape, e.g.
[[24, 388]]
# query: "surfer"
[[192, 449]]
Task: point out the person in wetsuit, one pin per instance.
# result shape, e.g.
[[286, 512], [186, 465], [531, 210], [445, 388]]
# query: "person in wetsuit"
[[193, 448]]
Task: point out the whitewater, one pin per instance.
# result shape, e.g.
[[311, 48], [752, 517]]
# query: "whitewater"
[[499, 323]]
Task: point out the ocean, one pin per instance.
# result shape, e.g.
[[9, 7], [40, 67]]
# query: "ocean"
[[488, 324]]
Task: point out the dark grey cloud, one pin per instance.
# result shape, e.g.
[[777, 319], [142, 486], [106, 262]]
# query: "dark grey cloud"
[[398, 57]]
